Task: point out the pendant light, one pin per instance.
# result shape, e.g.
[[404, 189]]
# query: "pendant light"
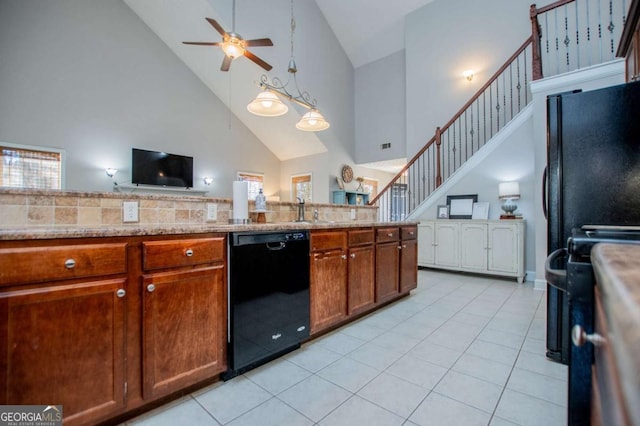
[[268, 103]]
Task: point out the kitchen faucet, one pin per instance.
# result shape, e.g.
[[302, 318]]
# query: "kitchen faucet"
[[300, 210]]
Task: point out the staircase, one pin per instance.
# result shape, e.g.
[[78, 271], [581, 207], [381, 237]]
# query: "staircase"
[[566, 35]]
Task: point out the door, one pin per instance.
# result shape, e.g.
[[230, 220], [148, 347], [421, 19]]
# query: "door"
[[473, 248], [426, 253], [503, 248], [361, 278], [328, 288], [65, 345], [408, 265], [387, 263], [446, 244], [184, 338]]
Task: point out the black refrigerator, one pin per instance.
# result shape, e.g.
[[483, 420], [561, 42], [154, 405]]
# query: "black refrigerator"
[[592, 178]]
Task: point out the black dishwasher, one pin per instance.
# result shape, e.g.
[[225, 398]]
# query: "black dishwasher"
[[268, 297]]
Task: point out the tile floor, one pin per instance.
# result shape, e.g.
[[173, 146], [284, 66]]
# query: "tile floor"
[[461, 350]]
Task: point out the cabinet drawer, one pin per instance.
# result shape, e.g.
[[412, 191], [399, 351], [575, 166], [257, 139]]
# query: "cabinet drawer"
[[328, 240], [361, 237], [387, 234], [409, 232], [23, 265], [175, 253]]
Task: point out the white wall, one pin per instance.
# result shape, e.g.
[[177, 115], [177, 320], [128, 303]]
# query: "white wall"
[[443, 39], [92, 79], [380, 102]]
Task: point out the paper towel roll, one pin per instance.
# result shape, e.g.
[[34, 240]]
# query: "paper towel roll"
[[240, 200]]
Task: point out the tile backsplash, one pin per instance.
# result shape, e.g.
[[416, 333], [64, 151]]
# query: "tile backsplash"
[[37, 208]]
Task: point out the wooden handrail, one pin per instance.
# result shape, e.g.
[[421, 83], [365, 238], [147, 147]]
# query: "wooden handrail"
[[551, 6], [493, 78], [404, 169], [440, 130]]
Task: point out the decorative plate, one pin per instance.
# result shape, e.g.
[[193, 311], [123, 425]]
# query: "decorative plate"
[[347, 174]]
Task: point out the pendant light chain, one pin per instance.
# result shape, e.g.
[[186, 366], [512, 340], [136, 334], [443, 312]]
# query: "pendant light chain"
[[233, 17], [293, 27]]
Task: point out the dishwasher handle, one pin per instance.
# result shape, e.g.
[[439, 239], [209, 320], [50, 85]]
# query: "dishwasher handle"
[[276, 246]]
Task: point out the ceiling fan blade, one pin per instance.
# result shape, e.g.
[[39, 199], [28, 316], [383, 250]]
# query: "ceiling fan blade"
[[257, 60], [217, 26], [202, 43], [259, 42], [226, 63]]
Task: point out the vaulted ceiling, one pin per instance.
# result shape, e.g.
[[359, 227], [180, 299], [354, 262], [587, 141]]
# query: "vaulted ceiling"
[[367, 30]]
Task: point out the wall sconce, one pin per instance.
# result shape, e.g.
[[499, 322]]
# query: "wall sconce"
[[468, 74], [111, 172], [208, 180], [509, 191]]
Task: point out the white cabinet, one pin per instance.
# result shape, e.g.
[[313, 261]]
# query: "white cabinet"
[[493, 247]]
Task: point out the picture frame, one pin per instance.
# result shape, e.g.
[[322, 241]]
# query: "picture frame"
[[442, 212], [461, 206], [480, 210]]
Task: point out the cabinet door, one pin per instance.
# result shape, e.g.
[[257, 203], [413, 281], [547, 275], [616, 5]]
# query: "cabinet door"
[[328, 288], [387, 264], [503, 247], [446, 245], [426, 254], [64, 345], [408, 265], [361, 278], [473, 246], [184, 328]]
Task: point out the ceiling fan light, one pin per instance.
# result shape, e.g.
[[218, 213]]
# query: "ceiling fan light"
[[267, 104], [312, 121], [233, 47]]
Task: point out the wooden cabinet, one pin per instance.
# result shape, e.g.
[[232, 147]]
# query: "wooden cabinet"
[[387, 263], [328, 279], [64, 339], [489, 247], [361, 280], [408, 258], [184, 312]]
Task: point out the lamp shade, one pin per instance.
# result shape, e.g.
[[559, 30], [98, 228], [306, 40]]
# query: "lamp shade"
[[267, 104], [312, 121], [509, 190]]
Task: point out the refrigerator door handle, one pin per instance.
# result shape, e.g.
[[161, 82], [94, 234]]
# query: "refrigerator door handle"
[[544, 194], [556, 277]]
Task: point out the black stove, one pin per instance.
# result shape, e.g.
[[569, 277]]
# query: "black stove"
[[569, 270]]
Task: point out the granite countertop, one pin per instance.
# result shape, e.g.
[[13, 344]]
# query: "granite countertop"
[[47, 232], [617, 271]]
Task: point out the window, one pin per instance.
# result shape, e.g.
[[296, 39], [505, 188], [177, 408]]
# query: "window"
[[370, 186], [301, 186], [30, 167], [255, 181]]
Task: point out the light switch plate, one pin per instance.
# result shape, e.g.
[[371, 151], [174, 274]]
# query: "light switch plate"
[[212, 212], [130, 211], [353, 214]]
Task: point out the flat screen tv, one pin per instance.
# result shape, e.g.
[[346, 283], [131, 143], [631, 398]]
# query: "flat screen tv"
[[161, 168]]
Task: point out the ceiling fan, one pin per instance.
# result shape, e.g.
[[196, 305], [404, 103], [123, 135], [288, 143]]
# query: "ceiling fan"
[[234, 46]]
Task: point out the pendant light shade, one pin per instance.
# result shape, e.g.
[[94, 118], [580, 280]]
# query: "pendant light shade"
[[267, 104], [312, 121]]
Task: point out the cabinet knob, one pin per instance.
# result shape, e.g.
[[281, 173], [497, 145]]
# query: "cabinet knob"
[[344, 256], [151, 288], [400, 247], [579, 337], [411, 232], [121, 292], [69, 263], [353, 255], [404, 246], [189, 252], [390, 234]]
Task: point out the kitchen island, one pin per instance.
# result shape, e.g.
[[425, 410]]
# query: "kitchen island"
[[616, 370], [116, 318]]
